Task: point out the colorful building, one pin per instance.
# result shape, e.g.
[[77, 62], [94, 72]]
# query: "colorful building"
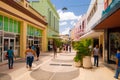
[[46, 8], [79, 29], [20, 27], [110, 23]]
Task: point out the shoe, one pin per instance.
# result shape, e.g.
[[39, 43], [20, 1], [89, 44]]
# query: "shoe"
[[10, 67], [26, 66], [29, 69]]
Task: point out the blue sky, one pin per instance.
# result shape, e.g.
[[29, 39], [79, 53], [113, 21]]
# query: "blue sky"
[[68, 18]]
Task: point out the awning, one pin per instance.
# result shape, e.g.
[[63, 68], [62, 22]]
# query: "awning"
[[110, 19], [91, 34]]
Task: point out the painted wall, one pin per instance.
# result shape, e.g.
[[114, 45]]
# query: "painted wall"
[[46, 8], [95, 15], [24, 19]]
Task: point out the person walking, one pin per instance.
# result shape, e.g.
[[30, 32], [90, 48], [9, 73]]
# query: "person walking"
[[10, 55], [54, 48], [29, 54], [96, 53], [70, 48], [37, 52], [33, 47], [117, 64], [101, 50]]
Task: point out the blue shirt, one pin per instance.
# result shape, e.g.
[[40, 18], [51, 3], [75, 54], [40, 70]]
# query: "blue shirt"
[[33, 48], [118, 57], [10, 53]]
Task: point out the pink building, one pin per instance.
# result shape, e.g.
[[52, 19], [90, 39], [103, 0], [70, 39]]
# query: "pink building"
[[79, 28]]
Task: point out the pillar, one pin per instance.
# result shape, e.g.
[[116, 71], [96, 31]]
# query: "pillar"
[[44, 40], [23, 38]]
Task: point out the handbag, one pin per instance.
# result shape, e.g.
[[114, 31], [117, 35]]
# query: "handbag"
[[6, 56]]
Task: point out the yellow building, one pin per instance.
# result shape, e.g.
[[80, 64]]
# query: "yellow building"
[[20, 27]]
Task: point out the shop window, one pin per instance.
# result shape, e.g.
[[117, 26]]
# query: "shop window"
[[1, 22], [6, 23], [18, 40], [6, 44], [114, 40]]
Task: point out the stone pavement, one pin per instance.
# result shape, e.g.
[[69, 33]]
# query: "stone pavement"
[[60, 68]]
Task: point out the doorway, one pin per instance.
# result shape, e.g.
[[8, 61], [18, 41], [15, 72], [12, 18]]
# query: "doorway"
[[7, 43], [30, 42]]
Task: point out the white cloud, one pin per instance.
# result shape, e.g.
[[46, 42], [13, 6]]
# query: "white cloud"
[[63, 23], [66, 31], [67, 15], [72, 22]]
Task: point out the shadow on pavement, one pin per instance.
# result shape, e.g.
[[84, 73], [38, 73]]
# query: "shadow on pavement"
[[40, 74], [4, 76]]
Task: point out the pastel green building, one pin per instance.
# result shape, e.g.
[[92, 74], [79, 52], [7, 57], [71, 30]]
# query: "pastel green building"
[[46, 8]]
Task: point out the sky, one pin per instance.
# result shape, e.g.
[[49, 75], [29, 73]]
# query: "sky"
[[68, 18]]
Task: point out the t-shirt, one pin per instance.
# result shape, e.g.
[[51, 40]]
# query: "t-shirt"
[[10, 53], [118, 57], [29, 53], [33, 48], [96, 51]]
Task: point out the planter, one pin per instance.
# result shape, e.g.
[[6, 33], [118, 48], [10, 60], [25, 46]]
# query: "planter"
[[58, 50], [77, 64], [87, 62]]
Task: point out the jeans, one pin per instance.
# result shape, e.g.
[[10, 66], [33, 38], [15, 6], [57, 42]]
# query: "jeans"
[[96, 60], [30, 61], [10, 62], [117, 73]]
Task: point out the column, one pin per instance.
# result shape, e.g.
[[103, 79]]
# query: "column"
[[44, 40], [23, 38]]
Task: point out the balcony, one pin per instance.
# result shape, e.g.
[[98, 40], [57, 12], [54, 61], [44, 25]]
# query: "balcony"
[[111, 6]]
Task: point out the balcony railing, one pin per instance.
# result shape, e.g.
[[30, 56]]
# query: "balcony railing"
[[111, 6]]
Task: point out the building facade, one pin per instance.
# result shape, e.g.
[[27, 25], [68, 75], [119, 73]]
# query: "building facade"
[[111, 26], [79, 29], [46, 8], [20, 27]]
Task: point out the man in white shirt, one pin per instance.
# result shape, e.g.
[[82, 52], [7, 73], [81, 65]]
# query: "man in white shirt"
[[96, 53]]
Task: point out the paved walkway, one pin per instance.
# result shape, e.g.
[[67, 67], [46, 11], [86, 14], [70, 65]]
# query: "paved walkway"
[[60, 68]]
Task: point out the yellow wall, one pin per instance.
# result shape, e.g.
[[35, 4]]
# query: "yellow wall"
[[23, 38], [25, 20]]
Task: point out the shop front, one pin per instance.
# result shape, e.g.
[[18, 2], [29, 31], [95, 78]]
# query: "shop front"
[[114, 43], [9, 36], [110, 23], [34, 36]]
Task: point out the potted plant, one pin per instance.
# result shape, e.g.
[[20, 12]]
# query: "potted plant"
[[87, 53], [78, 57], [78, 60], [82, 48]]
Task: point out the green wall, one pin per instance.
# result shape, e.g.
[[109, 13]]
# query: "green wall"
[[9, 24], [46, 8]]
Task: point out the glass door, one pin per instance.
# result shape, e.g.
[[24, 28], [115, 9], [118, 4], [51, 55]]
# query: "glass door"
[[6, 47], [30, 42], [7, 43]]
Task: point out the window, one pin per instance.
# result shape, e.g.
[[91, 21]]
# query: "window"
[[1, 22], [10, 25], [6, 23], [93, 10], [15, 26]]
